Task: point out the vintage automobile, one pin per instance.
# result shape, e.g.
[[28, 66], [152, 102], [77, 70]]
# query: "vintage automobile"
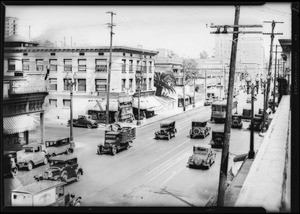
[[217, 139], [246, 114], [31, 155], [257, 123], [84, 121], [62, 168], [199, 129], [58, 147], [237, 121], [203, 156], [208, 102], [167, 130], [10, 168], [43, 193], [116, 138]]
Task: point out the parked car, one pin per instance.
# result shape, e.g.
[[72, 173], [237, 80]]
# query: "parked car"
[[208, 102], [31, 155], [62, 168], [84, 121], [58, 147], [237, 121], [10, 168], [116, 138], [199, 128], [217, 139], [257, 123], [42, 194], [246, 114], [167, 130], [203, 156]]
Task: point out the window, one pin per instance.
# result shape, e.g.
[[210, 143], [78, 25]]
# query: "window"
[[81, 84], [53, 102], [67, 65], [67, 86], [25, 54], [66, 103], [81, 54], [81, 65], [130, 66], [123, 65], [100, 84], [150, 67], [138, 67], [53, 84], [101, 65], [100, 54], [52, 54], [124, 54], [25, 64], [150, 83], [130, 84], [39, 64], [53, 64], [123, 84], [11, 65], [144, 67]]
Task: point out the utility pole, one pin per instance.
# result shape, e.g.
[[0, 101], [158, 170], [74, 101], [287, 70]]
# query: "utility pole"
[[269, 71], [110, 25], [274, 87]]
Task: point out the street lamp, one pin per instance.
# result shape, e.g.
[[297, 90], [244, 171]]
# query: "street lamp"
[[252, 87], [264, 83], [70, 83]]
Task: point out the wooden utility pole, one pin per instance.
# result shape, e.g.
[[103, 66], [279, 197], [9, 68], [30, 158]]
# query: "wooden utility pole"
[[274, 87], [269, 71], [225, 150], [110, 25]]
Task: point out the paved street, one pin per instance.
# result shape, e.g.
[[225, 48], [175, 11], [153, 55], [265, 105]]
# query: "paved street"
[[151, 172]]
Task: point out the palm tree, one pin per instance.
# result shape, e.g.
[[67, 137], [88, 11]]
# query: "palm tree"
[[164, 81]]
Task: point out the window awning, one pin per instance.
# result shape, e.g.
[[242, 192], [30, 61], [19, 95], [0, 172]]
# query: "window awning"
[[101, 105], [17, 124]]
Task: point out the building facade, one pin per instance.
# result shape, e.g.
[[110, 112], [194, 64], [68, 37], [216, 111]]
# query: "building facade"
[[87, 68], [23, 97], [11, 26]]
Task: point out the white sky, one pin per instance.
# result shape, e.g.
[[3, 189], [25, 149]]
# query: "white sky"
[[179, 28]]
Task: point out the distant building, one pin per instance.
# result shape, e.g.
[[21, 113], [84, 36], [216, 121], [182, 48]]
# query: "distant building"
[[11, 26], [88, 68]]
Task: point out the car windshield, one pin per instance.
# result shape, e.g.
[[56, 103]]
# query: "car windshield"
[[110, 137], [164, 126], [199, 150], [57, 163]]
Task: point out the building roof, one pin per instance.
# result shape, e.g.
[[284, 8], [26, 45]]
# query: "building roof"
[[37, 187], [18, 38]]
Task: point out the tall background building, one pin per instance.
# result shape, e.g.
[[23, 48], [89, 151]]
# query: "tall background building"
[[11, 26]]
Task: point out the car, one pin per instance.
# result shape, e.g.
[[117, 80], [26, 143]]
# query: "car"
[[63, 168], [84, 121], [58, 147], [208, 102], [217, 139], [199, 129], [31, 155], [10, 168], [257, 123], [167, 130], [237, 121], [246, 114], [203, 156]]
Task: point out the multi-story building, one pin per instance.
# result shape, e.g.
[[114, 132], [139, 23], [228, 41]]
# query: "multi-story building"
[[250, 51], [11, 26], [87, 67], [24, 93]]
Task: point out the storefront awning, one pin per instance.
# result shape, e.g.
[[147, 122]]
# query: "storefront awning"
[[101, 105], [146, 103], [17, 124]]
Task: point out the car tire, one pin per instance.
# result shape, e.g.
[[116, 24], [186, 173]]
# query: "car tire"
[[114, 150], [89, 126], [64, 176], [99, 150], [46, 161], [169, 136], [30, 166], [78, 176], [68, 151], [14, 172]]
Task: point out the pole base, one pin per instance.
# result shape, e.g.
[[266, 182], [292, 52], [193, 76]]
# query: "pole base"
[[138, 123], [251, 154]]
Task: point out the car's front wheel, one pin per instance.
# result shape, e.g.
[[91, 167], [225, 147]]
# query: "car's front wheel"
[[64, 176], [114, 150], [78, 175], [45, 160], [30, 166], [89, 126], [99, 150]]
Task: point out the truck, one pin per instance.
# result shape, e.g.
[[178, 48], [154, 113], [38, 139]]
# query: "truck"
[[116, 138], [58, 147], [31, 155], [43, 193]]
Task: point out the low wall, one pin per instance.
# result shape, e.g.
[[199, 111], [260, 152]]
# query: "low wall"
[[266, 181]]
